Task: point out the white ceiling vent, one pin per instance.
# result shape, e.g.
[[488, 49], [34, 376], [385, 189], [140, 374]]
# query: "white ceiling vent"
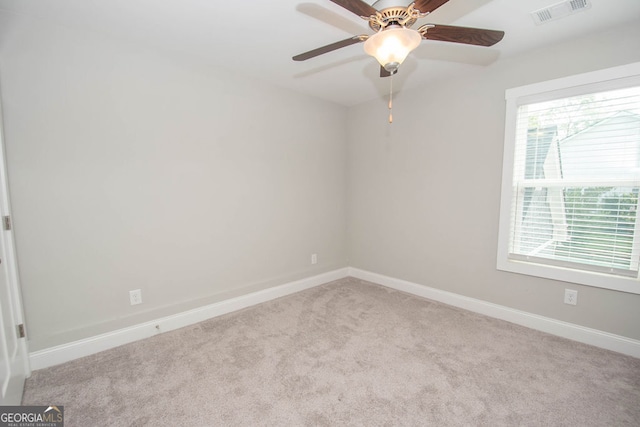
[[559, 10]]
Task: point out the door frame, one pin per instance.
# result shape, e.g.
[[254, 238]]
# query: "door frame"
[[20, 367]]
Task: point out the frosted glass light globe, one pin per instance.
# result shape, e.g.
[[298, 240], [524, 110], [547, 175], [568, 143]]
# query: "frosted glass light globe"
[[391, 46]]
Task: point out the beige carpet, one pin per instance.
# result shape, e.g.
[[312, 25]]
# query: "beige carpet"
[[346, 353]]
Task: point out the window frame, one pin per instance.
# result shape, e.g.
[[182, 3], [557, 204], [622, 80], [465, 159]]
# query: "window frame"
[[601, 80]]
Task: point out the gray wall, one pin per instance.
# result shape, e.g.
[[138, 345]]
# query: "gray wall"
[[131, 168], [136, 168], [424, 193]]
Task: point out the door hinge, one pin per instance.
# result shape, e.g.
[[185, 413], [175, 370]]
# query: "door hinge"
[[21, 333], [6, 222]]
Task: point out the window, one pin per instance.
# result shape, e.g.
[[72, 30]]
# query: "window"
[[571, 178]]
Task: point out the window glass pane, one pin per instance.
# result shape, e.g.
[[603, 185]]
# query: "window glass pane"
[[577, 178]]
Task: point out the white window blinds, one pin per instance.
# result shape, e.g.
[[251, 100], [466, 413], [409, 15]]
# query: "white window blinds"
[[576, 179]]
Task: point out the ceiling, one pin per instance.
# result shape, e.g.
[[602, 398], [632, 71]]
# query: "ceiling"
[[258, 38]]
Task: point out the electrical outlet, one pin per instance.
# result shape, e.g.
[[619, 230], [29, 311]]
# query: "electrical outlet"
[[135, 297], [570, 297], [314, 258]]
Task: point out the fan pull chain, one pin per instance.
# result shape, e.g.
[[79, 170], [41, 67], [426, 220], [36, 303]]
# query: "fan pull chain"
[[391, 99]]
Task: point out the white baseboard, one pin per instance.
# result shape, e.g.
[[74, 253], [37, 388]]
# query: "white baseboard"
[[85, 347], [571, 331], [74, 350]]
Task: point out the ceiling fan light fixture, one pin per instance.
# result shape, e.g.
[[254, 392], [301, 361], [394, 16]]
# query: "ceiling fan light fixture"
[[391, 46]]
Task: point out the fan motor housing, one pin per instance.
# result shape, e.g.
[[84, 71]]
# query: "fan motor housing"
[[403, 16]]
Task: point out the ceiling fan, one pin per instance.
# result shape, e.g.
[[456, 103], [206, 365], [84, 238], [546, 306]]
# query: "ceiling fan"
[[394, 39]]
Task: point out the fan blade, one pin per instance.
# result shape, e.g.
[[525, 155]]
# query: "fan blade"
[[465, 35], [330, 47], [428, 6], [385, 73], [358, 7]]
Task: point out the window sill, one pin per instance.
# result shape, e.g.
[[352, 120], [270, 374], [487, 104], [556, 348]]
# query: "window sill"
[[600, 280]]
